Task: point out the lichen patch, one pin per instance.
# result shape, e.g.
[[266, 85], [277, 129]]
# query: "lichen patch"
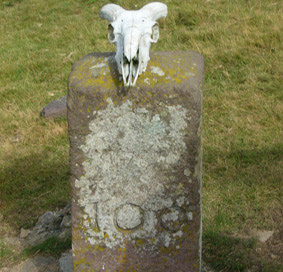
[[123, 192], [99, 65], [157, 70]]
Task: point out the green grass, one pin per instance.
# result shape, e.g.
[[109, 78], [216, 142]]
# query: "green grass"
[[241, 42], [224, 253], [53, 246], [4, 251], [8, 254]]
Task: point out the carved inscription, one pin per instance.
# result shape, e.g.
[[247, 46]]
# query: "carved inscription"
[[128, 153], [129, 217], [173, 219]]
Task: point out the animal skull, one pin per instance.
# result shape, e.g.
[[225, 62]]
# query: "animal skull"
[[133, 31]]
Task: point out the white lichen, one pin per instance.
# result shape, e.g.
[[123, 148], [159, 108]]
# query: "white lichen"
[[190, 216], [171, 216], [128, 152], [157, 70], [146, 80], [187, 172], [98, 65], [180, 201], [129, 216], [178, 233]]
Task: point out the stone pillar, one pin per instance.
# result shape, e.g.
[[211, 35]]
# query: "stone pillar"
[[135, 156]]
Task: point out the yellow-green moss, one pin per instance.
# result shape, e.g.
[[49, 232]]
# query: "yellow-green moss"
[[87, 76], [180, 189], [80, 261], [139, 242], [98, 247]]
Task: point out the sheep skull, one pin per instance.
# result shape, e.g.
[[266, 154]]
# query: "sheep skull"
[[133, 31]]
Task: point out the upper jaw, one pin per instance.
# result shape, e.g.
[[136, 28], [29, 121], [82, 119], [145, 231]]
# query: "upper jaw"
[[130, 69]]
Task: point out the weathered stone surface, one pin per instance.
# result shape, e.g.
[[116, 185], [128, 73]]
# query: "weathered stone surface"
[[66, 262], [135, 158], [56, 108]]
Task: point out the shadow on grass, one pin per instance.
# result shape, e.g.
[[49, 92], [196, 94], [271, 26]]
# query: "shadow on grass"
[[224, 253], [255, 156], [245, 164], [10, 3], [30, 185], [246, 156]]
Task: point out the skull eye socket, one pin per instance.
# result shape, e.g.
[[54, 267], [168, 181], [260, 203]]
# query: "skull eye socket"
[[111, 35], [155, 33]]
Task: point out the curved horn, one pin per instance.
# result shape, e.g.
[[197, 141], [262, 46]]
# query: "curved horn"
[[156, 10], [110, 12]]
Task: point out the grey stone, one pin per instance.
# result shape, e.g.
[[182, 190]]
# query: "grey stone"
[[50, 224], [67, 210], [56, 108], [66, 262], [49, 221], [65, 233], [66, 222], [46, 218], [135, 156]]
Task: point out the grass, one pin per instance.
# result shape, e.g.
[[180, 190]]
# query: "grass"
[[53, 246], [8, 254], [4, 251], [224, 253], [241, 42]]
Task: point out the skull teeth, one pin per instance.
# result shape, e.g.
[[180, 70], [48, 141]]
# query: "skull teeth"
[[130, 70]]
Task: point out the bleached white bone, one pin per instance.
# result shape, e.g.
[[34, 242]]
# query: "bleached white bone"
[[133, 31]]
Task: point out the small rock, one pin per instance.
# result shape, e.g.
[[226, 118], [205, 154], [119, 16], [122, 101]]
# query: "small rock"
[[49, 224], [45, 219], [24, 233], [56, 108], [1, 217], [66, 262], [67, 209], [263, 236], [49, 220], [66, 222]]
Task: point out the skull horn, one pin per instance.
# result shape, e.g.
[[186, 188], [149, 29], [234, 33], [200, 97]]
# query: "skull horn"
[[110, 12], [156, 10]]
